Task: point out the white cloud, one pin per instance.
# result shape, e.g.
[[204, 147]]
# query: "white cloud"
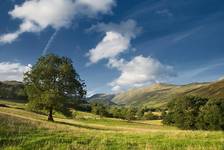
[[55, 13], [134, 73], [12, 71], [92, 7], [138, 72], [116, 88], [36, 15], [9, 37], [116, 40], [221, 78], [127, 28], [112, 44]]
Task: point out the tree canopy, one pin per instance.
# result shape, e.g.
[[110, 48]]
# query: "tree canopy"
[[191, 112], [51, 81]]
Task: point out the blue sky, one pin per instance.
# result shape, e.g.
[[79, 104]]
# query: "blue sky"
[[116, 44]]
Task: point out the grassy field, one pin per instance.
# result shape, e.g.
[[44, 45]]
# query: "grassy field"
[[21, 129]]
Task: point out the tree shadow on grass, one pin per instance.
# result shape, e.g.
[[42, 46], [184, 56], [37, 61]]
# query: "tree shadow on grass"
[[82, 126], [142, 123], [4, 105]]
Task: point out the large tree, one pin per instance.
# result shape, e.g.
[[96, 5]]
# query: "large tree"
[[51, 81]]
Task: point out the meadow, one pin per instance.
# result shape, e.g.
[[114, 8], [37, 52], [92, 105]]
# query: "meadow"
[[22, 129]]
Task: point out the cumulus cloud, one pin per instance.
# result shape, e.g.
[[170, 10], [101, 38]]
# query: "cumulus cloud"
[[134, 73], [36, 15], [117, 39], [13, 71], [112, 44], [139, 71]]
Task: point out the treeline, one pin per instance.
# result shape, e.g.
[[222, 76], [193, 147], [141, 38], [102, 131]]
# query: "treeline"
[[112, 111], [12, 90], [192, 112], [127, 113]]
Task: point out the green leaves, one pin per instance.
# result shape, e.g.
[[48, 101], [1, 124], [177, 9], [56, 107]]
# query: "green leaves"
[[51, 81], [196, 113], [212, 115]]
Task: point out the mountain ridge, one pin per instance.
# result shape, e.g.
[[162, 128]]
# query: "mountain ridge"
[[159, 94]]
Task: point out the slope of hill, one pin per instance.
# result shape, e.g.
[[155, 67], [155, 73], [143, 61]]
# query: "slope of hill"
[[215, 89], [21, 129], [158, 95], [102, 98], [12, 90]]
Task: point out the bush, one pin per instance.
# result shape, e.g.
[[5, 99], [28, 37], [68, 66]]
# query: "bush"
[[130, 113], [100, 109], [117, 112], [150, 116], [140, 113]]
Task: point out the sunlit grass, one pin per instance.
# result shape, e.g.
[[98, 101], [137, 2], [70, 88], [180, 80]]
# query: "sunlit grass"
[[20, 129]]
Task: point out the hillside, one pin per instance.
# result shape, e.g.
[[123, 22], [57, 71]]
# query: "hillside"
[[21, 129], [102, 98], [215, 89], [158, 95], [12, 90]]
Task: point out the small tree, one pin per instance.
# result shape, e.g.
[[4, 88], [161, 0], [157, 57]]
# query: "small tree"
[[50, 82], [130, 113], [99, 109], [117, 112], [140, 113], [150, 116]]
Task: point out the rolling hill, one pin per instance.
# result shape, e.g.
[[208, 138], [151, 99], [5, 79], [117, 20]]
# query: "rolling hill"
[[158, 95]]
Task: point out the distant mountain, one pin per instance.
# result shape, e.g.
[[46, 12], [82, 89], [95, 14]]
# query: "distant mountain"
[[158, 95], [102, 98], [215, 89], [12, 90]]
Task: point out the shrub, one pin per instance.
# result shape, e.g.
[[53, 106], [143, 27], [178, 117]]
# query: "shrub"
[[130, 113], [100, 109], [150, 116], [212, 115]]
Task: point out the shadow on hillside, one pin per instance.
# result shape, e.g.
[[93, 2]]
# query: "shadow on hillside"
[[81, 126]]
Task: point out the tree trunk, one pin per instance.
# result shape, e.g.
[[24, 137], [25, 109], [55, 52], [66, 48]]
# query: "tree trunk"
[[50, 116]]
